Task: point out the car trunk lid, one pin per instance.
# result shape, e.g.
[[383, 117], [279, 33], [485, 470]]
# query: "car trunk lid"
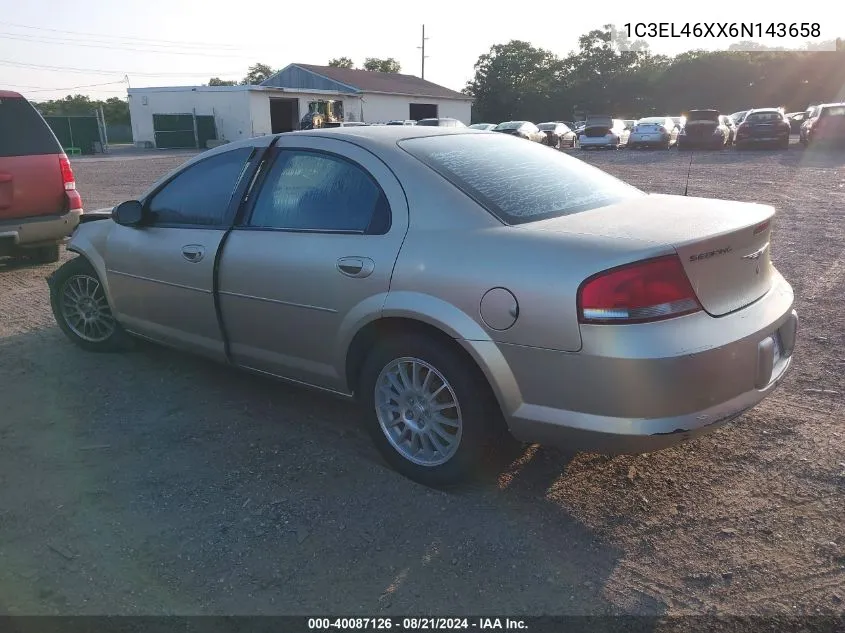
[[597, 126], [723, 245], [31, 181]]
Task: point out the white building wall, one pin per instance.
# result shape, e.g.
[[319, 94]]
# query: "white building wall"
[[231, 109], [379, 108], [259, 110]]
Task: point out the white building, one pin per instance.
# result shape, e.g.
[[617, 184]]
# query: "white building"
[[185, 116]]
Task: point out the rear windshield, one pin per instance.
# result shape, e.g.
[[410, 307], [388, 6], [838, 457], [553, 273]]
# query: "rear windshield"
[[22, 130], [834, 111], [652, 121], [764, 117], [518, 182], [703, 115], [510, 125], [428, 122], [545, 127]]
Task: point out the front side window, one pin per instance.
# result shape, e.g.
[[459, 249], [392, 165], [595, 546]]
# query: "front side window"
[[314, 191], [518, 182], [200, 194]]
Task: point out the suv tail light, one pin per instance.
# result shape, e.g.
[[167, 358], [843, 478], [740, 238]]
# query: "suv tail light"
[[650, 290], [69, 182]]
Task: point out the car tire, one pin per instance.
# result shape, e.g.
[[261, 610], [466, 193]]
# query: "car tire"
[[463, 441], [75, 288]]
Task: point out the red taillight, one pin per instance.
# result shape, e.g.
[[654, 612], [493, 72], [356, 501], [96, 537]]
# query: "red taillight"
[[650, 290], [73, 197]]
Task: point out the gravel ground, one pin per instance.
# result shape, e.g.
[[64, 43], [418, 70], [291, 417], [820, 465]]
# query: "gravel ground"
[[155, 483]]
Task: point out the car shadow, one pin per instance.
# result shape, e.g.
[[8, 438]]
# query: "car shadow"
[[193, 488]]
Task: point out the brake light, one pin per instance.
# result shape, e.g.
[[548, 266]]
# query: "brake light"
[[69, 182], [650, 290]]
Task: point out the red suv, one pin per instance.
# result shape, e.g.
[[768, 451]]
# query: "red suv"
[[39, 203]]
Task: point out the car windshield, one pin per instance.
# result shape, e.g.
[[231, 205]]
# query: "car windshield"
[[518, 182], [547, 126], [509, 125], [834, 111], [703, 115], [429, 122]]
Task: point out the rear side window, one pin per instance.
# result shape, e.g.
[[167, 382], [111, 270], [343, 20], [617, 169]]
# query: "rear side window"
[[518, 182], [22, 130], [315, 191], [200, 194]]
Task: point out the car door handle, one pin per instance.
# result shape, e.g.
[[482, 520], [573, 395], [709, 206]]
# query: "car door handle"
[[193, 253], [356, 266]]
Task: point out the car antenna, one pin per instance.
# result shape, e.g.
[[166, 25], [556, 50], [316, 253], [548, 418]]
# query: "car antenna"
[[689, 171]]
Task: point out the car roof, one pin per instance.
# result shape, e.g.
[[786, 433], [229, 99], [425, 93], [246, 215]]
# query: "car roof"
[[9, 94], [764, 110]]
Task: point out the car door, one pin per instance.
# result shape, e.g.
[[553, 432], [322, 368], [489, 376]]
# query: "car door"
[[161, 274], [311, 259]]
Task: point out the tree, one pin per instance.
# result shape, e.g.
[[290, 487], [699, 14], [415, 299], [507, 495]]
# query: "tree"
[[216, 81], [388, 65], [514, 80], [342, 62], [257, 73], [115, 109]]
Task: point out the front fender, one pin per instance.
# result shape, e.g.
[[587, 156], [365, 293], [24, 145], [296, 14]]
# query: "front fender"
[[89, 240]]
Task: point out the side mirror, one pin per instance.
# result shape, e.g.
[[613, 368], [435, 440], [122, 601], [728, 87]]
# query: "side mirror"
[[129, 213]]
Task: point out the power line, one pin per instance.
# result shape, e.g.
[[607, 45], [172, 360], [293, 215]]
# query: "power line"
[[96, 71], [120, 48], [42, 89], [119, 37]]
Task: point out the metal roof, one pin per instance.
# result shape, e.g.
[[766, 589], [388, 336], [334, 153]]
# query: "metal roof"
[[304, 76]]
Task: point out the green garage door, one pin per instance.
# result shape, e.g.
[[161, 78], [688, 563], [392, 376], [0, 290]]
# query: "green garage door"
[[174, 131], [177, 131]]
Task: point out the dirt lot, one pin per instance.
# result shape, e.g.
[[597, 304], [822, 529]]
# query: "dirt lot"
[[157, 483]]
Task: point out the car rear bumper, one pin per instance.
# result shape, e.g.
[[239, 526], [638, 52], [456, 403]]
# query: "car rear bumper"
[[710, 141], [655, 385], [597, 141], [38, 230], [647, 140]]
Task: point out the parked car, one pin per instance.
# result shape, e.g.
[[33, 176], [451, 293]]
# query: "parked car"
[[729, 123], [39, 203], [558, 135], [654, 131], [441, 122], [482, 126], [703, 128], [603, 131], [737, 117], [763, 126], [522, 129], [812, 113], [402, 122], [827, 126], [452, 300], [796, 119]]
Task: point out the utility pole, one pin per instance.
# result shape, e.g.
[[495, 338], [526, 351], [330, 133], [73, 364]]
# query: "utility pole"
[[422, 48]]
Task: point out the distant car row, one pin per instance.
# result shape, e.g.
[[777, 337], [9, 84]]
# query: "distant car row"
[[702, 128]]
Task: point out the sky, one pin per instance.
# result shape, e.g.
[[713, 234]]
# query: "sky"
[[51, 48]]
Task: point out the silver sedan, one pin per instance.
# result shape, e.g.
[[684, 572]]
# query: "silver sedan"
[[456, 283]]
